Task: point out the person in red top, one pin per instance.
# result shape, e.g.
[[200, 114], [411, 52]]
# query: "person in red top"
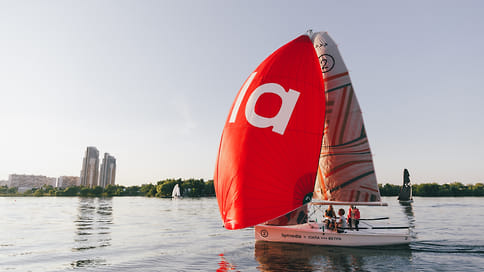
[[353, 217]]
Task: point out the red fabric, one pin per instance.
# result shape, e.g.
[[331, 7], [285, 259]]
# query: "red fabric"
[[261, 174], [357, 214]]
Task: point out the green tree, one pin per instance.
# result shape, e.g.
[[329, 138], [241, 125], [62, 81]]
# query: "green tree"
[[47, 188], [29, 192], [38, 192], [71, 191], [389, 189], [110, 190], [478, 189], [209, 188], [133, 191], [84, 191], [164, 188], [121, 191], [97, 191], [148, 190], [193, 187]]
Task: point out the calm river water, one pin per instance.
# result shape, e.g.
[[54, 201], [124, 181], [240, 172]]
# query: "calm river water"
[[152, 234]]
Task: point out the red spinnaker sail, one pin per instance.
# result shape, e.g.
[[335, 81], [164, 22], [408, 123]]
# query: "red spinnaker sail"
[[269, 151]]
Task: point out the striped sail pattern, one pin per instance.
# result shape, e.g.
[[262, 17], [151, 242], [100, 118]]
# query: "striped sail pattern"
[[345, 171]]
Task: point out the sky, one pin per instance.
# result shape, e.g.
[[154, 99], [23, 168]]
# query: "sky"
[[152, 82]]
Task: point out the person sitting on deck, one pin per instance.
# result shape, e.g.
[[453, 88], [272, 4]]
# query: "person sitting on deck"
[[341, 222], [353, 217], [330, 216]]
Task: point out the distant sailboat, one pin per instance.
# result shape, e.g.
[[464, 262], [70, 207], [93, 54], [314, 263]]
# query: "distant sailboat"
[[176, 192], [295, 135], [406, 190]]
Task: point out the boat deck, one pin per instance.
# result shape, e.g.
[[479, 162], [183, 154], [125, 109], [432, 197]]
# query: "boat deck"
[[317, 233]]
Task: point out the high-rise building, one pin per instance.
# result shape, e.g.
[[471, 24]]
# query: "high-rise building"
[[90, 167], [108, 170]]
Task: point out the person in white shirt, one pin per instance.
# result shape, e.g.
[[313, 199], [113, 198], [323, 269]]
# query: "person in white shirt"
[[341, 221]]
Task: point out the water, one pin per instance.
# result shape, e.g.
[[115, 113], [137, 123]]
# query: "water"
[[152, 234]]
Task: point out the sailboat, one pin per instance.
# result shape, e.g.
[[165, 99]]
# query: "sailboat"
[[405, 195], [295, 139], [176, 192]]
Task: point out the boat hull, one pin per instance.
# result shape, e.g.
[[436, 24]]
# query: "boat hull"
[[314, 234]]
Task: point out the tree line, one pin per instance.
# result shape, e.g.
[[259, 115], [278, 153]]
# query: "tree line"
[[434, 189], [201, 188], [188, 188]]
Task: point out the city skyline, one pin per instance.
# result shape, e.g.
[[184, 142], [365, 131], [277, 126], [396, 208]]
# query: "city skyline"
[[156, 80], [91, 175]]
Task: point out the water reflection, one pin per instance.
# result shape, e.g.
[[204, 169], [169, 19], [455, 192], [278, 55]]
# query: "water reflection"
[[408, 210], [283, 257], [296, 257], [92, 228], [224, 265]]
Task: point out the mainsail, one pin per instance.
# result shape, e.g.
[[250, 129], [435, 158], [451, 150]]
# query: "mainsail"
[[345, 171], [269, 151]]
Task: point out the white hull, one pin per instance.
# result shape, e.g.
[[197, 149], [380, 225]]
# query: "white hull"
[[315, 234]]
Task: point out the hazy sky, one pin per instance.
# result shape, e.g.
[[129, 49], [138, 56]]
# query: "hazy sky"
[[151, 82]]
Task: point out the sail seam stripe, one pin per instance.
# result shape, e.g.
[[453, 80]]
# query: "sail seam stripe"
[[347, 145], [337, 88], [346, 165], [336, 76], [322, 182], [347, 113], [340, 113], [348, 153], [352, 141], [351, 181], [368, 188], [345, 149]]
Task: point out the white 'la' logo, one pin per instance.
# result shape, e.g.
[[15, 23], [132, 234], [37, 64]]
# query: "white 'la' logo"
[[280, 120]]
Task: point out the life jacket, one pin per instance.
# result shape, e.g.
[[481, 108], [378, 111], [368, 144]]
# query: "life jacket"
[[354, 213]]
